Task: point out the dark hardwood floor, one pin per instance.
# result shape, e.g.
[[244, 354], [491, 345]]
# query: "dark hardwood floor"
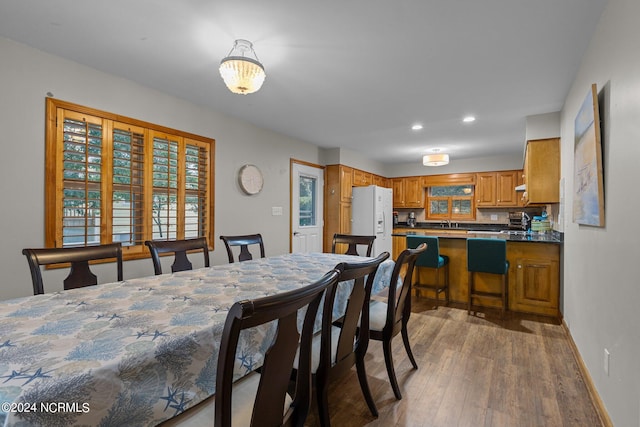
[[477, 370]]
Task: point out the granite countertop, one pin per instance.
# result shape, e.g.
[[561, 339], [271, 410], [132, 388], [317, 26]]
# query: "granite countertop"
[[446, 233]]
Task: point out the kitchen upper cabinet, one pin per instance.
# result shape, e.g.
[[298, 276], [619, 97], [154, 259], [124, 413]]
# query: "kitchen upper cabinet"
[[346, 183], [381, 181], [542, 171], [485, 189], [397, 186], [362, 178], [408, 192], [496, 189], [506, 183]]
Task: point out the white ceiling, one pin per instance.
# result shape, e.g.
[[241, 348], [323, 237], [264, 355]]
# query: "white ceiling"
[[353, 73]]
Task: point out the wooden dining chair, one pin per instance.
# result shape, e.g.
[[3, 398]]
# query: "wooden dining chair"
[[260, 399], [78, 257], [179, 248], [243, 242], [352, 242], [343, 343], [386, 320]]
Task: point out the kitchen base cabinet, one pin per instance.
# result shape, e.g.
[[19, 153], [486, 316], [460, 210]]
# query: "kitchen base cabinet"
[[536, 288], [534, 275]]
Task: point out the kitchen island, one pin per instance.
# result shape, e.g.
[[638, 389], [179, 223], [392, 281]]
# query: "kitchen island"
[[534, 272]]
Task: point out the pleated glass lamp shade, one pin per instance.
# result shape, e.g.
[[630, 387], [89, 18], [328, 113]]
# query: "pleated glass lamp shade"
[[241, 73]]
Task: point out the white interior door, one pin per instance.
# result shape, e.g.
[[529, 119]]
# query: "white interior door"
[[306, 208]]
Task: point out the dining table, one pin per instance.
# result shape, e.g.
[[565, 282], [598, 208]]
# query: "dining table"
[[139, 351]]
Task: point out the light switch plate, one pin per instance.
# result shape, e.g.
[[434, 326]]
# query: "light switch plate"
[[276, 210]]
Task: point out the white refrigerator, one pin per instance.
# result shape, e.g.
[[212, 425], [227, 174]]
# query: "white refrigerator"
[[371, 214]]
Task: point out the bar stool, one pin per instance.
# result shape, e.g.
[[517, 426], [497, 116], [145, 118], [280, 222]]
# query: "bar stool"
[[431, 258], [488, 256]]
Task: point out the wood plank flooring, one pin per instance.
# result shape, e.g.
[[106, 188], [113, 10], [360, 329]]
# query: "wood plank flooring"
[[477, 370]]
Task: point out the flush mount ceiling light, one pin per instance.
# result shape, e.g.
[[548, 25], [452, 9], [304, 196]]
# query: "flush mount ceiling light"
[[435, 159], [417, 126], [469, 119], [241, 70]]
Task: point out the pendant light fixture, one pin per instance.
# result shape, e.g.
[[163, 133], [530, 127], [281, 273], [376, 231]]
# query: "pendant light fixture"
[[435, 159], [241, 70]]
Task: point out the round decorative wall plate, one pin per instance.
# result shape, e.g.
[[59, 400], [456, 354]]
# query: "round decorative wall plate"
[[250, 179]]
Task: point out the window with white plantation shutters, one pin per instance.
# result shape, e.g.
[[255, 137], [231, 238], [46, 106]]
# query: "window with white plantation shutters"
[[114, 179]]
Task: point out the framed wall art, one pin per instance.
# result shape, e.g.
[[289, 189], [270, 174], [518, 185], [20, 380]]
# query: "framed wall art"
[[588, 181]]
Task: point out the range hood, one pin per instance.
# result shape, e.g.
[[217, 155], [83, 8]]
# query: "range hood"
[[521, 187]]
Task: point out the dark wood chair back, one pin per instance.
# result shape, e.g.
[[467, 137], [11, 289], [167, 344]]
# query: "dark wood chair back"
[[179, 248], [275, 373], [243, 242], [387, 323], [399, 299], [79, 275], [353, 338], [353, 242]]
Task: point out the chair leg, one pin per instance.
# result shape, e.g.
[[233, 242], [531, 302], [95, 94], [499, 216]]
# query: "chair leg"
[[388, 361], [323, 403], [437, 287], [446, 284], [364, 385], [407, 346], [470, 292], [504, 295]]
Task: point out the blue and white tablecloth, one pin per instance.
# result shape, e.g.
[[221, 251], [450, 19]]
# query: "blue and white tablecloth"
[[137, 352]]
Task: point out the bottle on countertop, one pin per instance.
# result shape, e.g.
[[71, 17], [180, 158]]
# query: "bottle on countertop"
[[411, 221]]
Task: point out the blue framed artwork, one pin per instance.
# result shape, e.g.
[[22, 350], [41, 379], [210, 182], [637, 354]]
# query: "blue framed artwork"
[[588, 182]]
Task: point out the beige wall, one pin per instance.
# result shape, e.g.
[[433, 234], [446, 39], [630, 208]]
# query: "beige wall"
[[601, 295], [26, 75]]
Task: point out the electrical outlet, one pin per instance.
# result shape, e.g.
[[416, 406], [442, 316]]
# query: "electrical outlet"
[[276, 210], [494, 217], [606, 361]]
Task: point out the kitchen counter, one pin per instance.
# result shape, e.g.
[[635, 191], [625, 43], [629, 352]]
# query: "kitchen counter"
[[452, 233], [534, 271]]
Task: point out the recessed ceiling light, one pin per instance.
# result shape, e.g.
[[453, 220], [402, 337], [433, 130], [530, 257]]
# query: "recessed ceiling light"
[[417, 126], [469, 119]]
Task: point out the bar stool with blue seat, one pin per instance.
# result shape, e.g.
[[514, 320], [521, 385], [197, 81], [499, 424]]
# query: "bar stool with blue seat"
[[431, 258], [488, 256]]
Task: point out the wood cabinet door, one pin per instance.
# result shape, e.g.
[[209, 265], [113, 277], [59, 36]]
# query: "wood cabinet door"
[[397, 186], [346, 183], [413, 192], [380, 181], [345, 218], [542, 171], [537, 285], [506, 188], [362, 178], [520, 194], [485, 189]]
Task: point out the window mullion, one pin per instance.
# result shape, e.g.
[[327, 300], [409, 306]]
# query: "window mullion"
[[106, 203], [181, 202]]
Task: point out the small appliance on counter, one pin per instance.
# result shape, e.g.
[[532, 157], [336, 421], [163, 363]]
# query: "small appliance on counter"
[[411, 221], [519, 220], [395, 218]]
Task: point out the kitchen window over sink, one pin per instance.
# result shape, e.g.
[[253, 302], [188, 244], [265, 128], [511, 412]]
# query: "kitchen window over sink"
[[450, 202]]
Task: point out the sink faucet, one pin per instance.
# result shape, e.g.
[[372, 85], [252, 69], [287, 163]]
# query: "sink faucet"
[[449, 223]]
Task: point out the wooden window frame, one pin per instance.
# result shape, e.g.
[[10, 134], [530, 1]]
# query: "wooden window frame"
[[450, 199], [55, 114]]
